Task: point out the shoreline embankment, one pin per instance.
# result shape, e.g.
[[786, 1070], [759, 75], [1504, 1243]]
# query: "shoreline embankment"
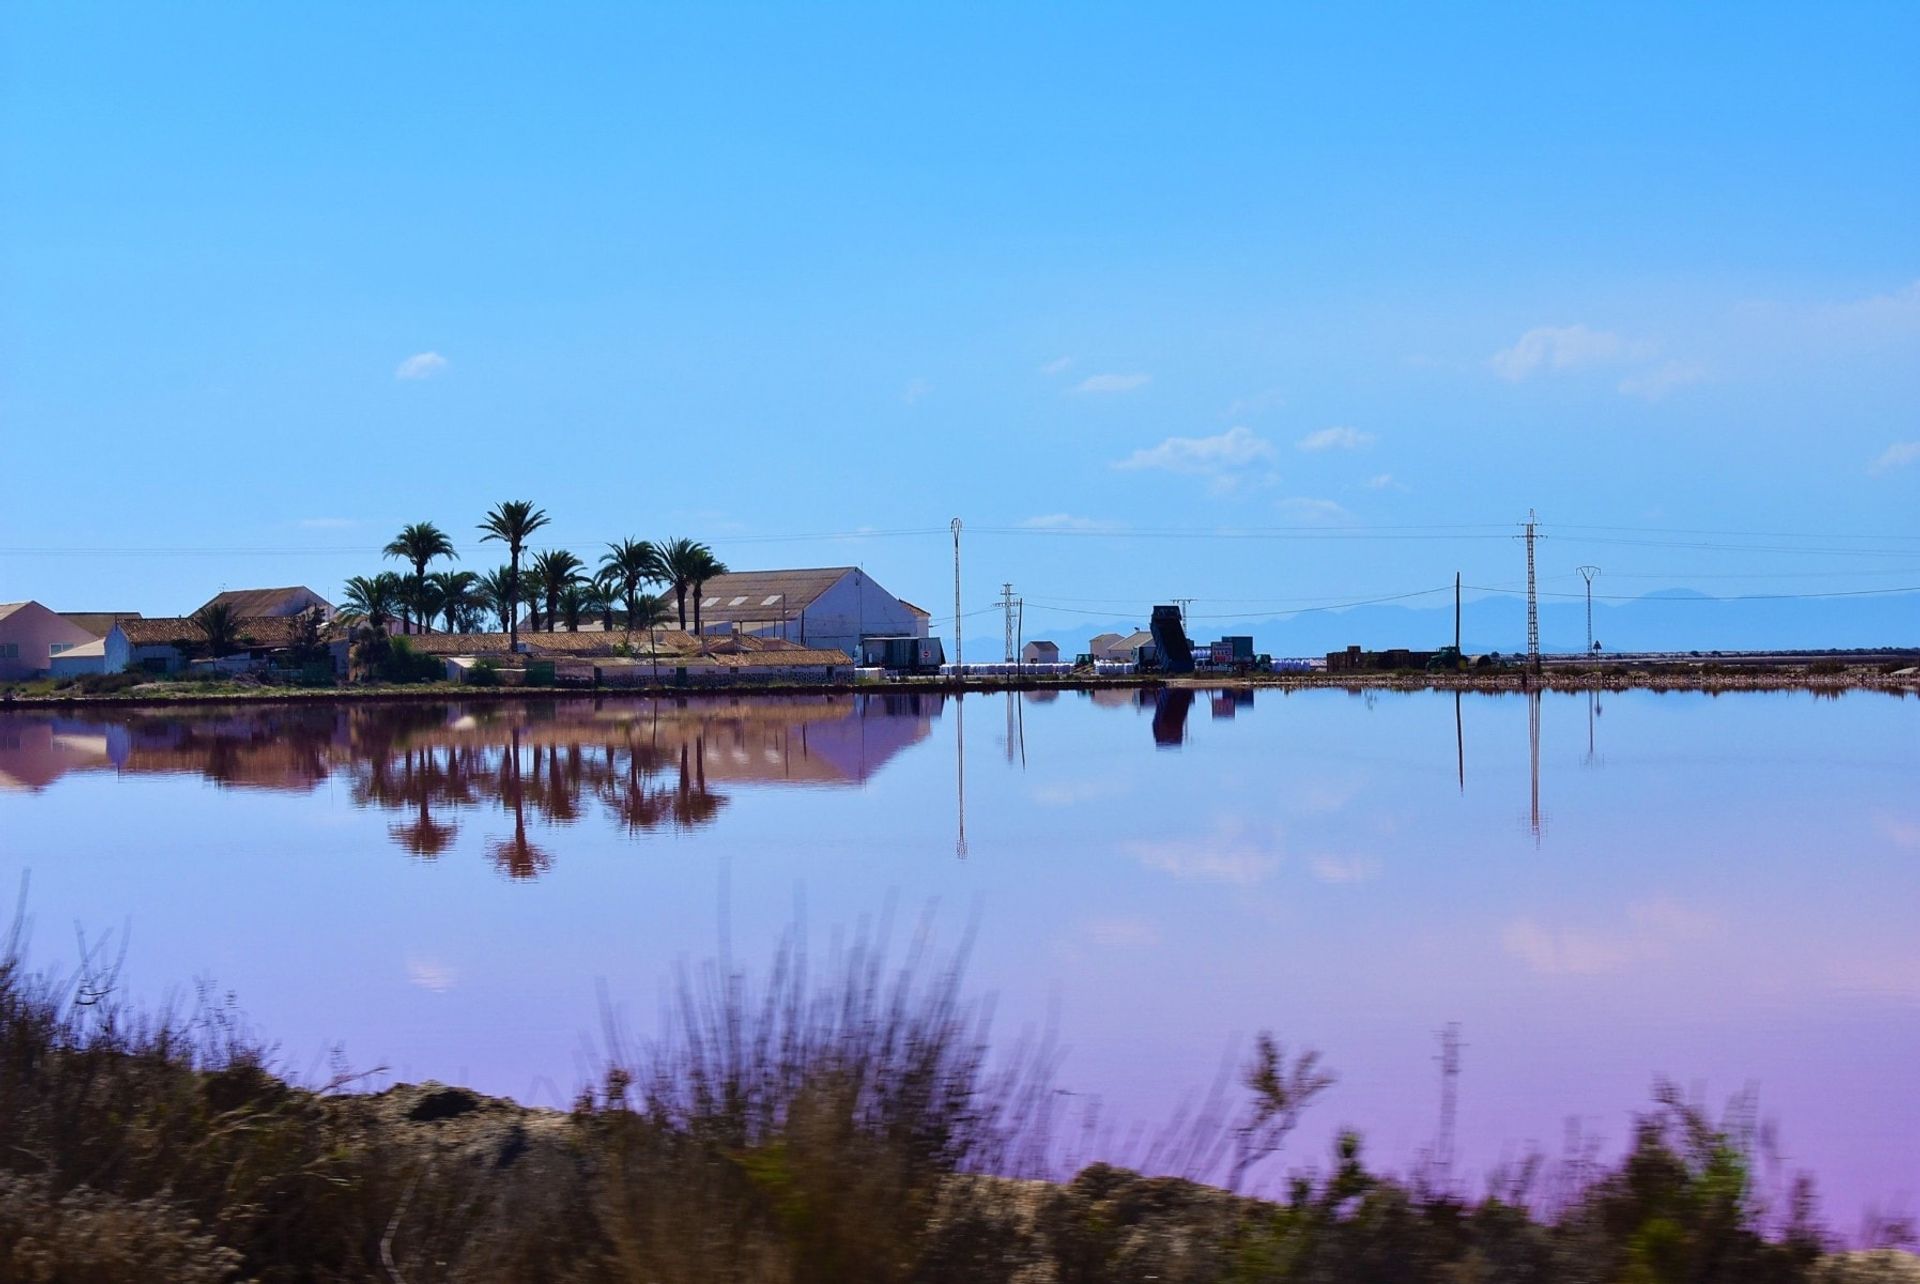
[[1713, 676]]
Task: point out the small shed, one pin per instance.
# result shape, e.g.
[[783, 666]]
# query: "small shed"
[[1040, 651]]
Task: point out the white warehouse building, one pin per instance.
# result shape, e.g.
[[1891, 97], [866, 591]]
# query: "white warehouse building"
[[832, 606]]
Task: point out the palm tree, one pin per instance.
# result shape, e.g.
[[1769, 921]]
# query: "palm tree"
[[457, 596], [424, 596], [218, 622], [494, 592], [511, 522], [649, 611], [559, 569], [703, 567], [604, 588], [581, 597], [374, 600], [630, 564], [533, 591], [676, 558], [419, 544]]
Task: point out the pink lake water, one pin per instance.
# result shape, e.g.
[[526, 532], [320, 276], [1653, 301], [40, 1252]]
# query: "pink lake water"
[[1724, 891]]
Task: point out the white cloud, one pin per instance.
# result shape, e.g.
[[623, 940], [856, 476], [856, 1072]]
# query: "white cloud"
[[1254, 403], [1068, 522], [421, 365], [1898, 455], [1113, 383], [915, 390], [1056, 366], [1232, 854], [1657, 382], [1316, 511], [1384, 481], [431, 974], [1882, 313], [1557, 349], [1902, 832], [1652, 931], [1235, 449], [1345, 869], [1335, 439], [1072, 793]]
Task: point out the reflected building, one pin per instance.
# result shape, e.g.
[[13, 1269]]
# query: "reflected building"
[[640, 764]]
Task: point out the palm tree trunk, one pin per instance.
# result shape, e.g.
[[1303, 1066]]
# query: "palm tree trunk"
[[680, 592], [513, 599]]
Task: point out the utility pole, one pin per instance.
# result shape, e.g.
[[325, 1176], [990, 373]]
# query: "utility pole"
[[1533, 601], [1587, 573], [957, 671], [1456, 615], [1006, 610]]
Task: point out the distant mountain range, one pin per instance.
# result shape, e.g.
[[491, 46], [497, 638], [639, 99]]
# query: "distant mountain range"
[[1670, 620]]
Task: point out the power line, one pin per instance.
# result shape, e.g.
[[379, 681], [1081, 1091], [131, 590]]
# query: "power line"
[[1744, 597]]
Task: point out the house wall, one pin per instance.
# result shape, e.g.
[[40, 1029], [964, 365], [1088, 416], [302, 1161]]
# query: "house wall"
[[27, 638], [855, 607], [121, 655], [80, 661]]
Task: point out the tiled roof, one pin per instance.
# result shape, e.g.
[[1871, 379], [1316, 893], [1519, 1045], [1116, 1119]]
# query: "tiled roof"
[[795, 657], [458, 643], [764, 595], [257, 631], [668, 642], [98, 623], [265, 601]]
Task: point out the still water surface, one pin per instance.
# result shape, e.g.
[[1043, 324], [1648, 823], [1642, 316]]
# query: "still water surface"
[[1725, 891]]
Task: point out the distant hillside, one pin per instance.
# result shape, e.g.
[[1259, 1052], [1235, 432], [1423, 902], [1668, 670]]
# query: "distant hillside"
[[1670, 620]]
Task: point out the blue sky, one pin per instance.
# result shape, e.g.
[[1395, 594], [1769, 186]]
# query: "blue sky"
[[1098, 280]]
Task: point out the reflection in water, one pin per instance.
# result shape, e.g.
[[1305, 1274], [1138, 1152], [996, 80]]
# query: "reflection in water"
[[1459, 745], [644, 764], [1593, 712], [960, 772], [1154, 895], [1533, 758], [1170, 709]]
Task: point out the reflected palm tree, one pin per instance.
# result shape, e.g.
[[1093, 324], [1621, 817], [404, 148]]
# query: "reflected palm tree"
[[692, 804], [516, 857], [422, 782]]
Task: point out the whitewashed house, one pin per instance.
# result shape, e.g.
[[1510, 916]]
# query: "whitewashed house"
[[1040, 651]]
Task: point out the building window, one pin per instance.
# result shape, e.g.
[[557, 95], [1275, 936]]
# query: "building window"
[[9, 650], [57, 647]]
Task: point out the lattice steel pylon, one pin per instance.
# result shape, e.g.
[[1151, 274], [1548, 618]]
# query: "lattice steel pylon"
[[1533, 601], [1006, 608]]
